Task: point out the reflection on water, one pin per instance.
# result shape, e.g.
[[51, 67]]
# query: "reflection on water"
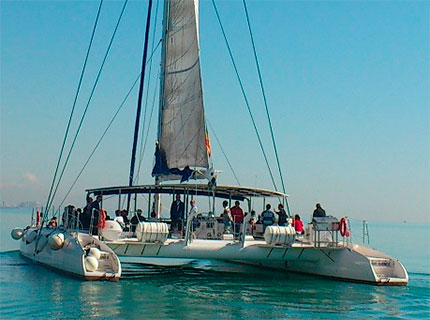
[[217, 292]]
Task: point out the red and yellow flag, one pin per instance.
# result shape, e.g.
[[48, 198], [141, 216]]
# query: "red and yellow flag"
[[208, 144]]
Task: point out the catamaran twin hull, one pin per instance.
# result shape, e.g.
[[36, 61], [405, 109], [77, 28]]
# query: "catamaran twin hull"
[[348, 262], [77, 254]]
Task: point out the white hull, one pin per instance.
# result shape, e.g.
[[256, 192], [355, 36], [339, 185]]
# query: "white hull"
[[70, 259], [345, 261]]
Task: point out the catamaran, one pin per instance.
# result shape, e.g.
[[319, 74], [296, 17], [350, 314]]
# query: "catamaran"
[[183, 154]]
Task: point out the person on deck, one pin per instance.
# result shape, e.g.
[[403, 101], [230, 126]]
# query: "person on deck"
[[119, 218], [193, 211], [177, 211], [193, 208], [237, 215], [88, 206], [124, 215], [95, 211], [319, 212], [267, 217], [85, 216], [52, 223], [138, 217], [226, 217], [298, 225], [282, 220]]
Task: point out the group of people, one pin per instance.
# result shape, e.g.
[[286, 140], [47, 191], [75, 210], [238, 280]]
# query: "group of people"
[[267, 218], [233, 217]]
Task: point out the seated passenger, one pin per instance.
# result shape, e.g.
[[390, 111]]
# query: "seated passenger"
[[298, 225], [136, 219], [319, 212], [267, 217], [52, 223], [153, 216], [124, 215], [119, 218]]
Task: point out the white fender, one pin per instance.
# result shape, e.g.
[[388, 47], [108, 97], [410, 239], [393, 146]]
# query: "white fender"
[[17, 233], [94, 252], [30, 237], [112, 230], [56, 241], [43, 241], [91, 263]]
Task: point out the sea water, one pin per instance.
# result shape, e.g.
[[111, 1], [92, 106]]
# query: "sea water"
[[210, 290]]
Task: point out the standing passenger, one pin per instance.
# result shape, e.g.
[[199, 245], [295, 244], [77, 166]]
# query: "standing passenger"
[[282, 220], [237, 214], [177, 211], [192, 214], [226, 217], [267, 217]]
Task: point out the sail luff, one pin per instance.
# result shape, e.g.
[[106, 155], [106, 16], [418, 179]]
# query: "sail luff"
[[163, 62]]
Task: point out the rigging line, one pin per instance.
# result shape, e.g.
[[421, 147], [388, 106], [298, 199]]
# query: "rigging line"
[[74, 102], [101, 138], [149, 126], [89, 100], [222, 150], [147, 93], [260, 78], [244, 95], [107, 128]]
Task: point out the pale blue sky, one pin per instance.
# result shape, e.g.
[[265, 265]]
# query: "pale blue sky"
[[347, 83]]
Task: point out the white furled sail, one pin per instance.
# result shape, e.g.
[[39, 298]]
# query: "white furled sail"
[[182, 130]]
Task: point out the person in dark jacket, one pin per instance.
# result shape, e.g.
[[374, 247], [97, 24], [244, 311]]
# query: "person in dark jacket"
[[177, 211], [282, 220], [95, 208], [136, 219], [319, 212]]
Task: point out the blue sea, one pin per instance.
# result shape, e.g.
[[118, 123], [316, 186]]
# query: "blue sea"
[[207, 290]]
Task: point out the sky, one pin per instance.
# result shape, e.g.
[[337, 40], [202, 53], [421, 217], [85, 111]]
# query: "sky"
[[347, 84]]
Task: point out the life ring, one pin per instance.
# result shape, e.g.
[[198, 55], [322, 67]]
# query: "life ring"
[[343, 227]]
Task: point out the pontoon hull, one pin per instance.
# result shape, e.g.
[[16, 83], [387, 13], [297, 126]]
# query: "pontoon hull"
[[70, 259], [345, 262]]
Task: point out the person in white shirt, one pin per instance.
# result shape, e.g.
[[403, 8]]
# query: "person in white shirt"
[[193, 208], [190, 217], [119, 218]]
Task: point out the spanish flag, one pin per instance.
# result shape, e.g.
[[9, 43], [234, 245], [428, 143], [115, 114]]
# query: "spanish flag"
[[208, 144]]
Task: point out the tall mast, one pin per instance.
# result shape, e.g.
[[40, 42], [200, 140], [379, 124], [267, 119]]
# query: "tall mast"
[[139, 102], [157, 197]]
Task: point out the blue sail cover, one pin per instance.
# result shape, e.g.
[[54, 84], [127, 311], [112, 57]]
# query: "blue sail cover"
[[161, 168]]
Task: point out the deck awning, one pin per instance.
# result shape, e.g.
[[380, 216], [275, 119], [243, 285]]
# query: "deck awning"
[[222, 191]]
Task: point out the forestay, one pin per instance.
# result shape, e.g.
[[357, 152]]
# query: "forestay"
[[182, 122]]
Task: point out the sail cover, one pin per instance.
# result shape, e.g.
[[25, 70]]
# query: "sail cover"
[[182, 131]]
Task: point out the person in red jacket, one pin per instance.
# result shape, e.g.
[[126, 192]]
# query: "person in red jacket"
[[298, 225], [237, 215]]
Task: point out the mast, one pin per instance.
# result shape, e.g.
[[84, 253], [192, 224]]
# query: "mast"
[[157, 197], [139, 103]]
